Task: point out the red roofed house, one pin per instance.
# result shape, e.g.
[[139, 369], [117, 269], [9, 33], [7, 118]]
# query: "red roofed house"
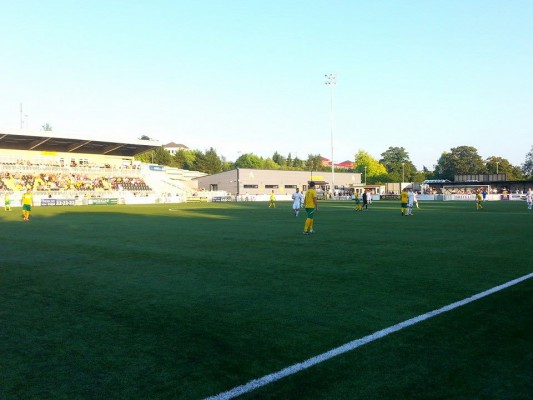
[[343, 165]]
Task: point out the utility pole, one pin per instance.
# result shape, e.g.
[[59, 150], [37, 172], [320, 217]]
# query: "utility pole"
[[331, 81]]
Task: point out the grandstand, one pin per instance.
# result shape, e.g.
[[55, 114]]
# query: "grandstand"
[[58, 168]]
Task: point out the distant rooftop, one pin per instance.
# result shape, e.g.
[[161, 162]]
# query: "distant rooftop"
[[175, 145]]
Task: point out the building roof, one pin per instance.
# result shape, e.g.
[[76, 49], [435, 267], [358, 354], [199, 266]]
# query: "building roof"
[[22, 139], [175, 145], [344, 164]]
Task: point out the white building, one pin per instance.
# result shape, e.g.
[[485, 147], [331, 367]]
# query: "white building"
[[242, 181], [173, 148]]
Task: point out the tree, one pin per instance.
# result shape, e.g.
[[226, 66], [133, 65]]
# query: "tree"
[[496, 165], [158, 156], [210, 162], [249, 160], [314, 162], [279, 159], [269, 163], [393, 157], [418, 176], [226, 165], [144, 137], [500, 165], [527, 166], [199, 163], [427, 173], [145, 157], [516, 173], [46, 127], [288, 162], [184, 159], [462, 160], [375, 171], [399, 166], [162, 156], [298, 164]]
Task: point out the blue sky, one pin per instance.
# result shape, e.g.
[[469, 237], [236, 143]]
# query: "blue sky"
[[248, 76]]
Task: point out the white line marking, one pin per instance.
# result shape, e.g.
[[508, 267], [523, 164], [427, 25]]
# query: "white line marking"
[[267, 379]]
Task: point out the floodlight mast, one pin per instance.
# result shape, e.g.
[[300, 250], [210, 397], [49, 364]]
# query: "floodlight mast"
[[331, 81]]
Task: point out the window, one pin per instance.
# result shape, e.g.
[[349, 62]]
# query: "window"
[[271, 186], [291, 186], [250, 186]]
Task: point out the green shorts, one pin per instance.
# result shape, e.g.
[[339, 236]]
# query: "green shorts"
[[26, 207], [404, 205], [310, 212]]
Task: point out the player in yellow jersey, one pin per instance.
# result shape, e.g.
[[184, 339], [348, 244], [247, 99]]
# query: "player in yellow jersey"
[[7, 202], [27, 203], [311, 206], [404, 199], [358, 206], [479, 200], [272, 200]]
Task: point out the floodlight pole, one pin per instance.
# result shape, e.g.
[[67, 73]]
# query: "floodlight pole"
[[331, 81], [365, 175], [403, 172], [497, 163]]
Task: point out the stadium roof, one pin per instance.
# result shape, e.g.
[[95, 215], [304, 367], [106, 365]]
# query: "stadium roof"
[[22, 139]]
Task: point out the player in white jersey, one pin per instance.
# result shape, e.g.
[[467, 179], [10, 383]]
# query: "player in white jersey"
[[529, 199], [297, 199], [410, 202]]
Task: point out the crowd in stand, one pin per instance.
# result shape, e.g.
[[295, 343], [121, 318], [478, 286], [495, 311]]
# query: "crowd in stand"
[[69, 181], [54, 163]]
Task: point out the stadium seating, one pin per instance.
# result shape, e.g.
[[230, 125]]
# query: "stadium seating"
[[92, 179], [13, 179]]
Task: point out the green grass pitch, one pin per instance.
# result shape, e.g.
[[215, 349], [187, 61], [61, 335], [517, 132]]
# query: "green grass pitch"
[[187, 301]]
